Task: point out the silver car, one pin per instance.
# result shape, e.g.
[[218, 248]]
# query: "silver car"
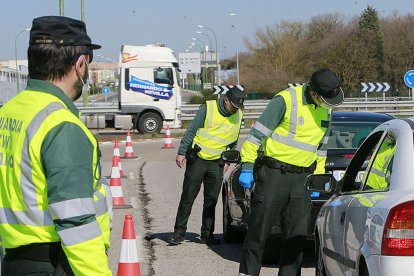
[[367, 227]]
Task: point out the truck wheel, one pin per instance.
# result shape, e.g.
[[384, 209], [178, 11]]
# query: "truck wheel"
[[149, 122]]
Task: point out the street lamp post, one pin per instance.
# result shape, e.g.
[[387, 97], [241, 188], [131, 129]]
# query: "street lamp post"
[[205, 47], [205, 59], [217, 63], [237, 49], [15, 55], [199, 32]]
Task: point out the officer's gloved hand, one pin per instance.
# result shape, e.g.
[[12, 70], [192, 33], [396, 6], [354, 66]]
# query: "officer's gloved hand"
[[246, 178]]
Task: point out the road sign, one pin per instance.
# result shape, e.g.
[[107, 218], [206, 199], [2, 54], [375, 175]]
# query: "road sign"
[[105, 90], [222, 89], [296, 84], [189, 63], [409, 78], [374, 87]]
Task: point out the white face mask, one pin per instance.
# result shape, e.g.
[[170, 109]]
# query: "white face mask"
[[85, 83]]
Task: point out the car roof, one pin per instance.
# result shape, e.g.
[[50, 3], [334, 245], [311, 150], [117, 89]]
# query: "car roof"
[[360, 116]]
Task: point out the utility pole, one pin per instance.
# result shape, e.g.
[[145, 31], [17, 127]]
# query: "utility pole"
[[83, 10], [61, 7]]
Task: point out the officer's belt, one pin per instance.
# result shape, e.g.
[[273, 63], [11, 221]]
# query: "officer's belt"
[[45, 252], [284, 167]]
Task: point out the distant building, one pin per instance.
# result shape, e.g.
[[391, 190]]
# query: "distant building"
[[103, 72], [8, 78], [100, 72]]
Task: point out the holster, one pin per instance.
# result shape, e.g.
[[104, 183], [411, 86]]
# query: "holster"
[[191, 154]]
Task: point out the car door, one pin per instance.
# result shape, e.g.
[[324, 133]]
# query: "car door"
[[343, 212], [332, 233], [361, 209]]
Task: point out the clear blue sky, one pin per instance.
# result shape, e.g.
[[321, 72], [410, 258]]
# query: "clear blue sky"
[[112, 23]]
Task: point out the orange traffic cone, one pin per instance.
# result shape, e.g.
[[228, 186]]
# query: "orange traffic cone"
[[168, 142], [129, 151], [116, 186], [252, 123], [118, 155], [128, 264]]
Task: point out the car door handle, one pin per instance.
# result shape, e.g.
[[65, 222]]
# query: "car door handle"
[[343, 218]]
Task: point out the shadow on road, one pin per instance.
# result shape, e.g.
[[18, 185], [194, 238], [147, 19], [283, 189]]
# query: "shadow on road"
[[189, 237], [232, 252]]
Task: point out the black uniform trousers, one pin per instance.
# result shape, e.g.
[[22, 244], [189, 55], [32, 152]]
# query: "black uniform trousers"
[[210, 173], [276, 195]]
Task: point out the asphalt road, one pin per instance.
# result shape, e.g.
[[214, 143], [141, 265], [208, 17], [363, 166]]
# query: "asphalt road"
[[153, 188]]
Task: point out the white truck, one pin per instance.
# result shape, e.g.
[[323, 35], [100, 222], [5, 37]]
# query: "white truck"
[[149, 93]]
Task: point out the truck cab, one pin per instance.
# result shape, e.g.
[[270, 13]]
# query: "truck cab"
[[149, 88]]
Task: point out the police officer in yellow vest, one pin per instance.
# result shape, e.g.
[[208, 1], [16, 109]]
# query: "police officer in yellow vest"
[[53, 212], [285, 145], [378, 177], [215, 128]]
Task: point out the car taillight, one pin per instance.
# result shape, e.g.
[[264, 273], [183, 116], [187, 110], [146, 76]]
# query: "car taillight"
[[398, 236], [349, 156]]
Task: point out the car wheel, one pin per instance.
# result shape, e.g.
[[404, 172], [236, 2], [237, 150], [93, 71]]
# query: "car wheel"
[[229, 234], [271, 252], [149, 122], [320, 265]]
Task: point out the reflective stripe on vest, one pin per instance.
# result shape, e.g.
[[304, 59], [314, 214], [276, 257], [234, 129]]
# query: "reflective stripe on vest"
[[297, 138], [325, 139], [217, 133]]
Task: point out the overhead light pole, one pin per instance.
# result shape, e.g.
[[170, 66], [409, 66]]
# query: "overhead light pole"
[[193, 44], [61, 7], [209, 39], [15, 55], [205, 50], [83, 10], [205, 47], [217, 63], [237, 49]]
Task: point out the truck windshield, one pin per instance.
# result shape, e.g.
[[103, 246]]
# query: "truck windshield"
[[163, 76]]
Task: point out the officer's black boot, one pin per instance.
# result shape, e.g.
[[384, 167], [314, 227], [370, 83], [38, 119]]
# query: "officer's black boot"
[[175, 239]]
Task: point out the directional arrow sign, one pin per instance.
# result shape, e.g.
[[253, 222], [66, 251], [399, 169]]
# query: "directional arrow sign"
[[105, 90], [409, 78], [222, 89], [374, 87]]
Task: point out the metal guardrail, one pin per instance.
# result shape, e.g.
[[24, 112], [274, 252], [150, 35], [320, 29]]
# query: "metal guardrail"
[[253, 109]]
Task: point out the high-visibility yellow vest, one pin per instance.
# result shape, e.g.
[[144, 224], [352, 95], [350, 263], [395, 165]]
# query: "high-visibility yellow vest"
[[377, 177], [217, 133], [26, 217], [296, 139]]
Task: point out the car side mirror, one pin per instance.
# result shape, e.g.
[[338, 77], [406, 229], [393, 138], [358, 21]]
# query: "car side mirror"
[[320, 183], [231, 156]]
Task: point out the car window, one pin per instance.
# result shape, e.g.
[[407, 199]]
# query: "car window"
[[379, 170], [349, 134], [360, 162]]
